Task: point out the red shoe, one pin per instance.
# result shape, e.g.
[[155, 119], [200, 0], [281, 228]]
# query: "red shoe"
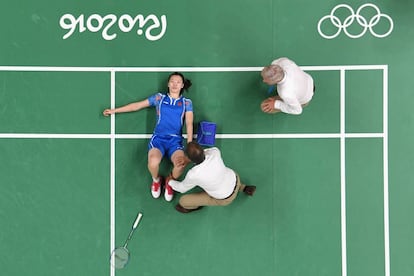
[[156, 188], [169, 192]]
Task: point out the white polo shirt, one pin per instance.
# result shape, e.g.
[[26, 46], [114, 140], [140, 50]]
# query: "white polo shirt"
[[295, 89], [211, 175]]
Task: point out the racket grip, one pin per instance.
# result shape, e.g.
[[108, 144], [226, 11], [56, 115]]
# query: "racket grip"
[[137, 221]]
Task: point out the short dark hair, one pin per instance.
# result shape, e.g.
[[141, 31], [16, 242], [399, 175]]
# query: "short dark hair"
[[195, 152]]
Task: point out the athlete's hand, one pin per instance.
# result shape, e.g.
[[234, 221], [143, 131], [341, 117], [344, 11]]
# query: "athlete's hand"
[[108, 112]]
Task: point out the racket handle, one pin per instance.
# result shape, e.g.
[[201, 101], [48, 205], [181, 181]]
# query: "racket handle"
[[137, 221]]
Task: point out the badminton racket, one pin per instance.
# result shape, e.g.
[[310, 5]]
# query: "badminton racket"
[[120, 255]]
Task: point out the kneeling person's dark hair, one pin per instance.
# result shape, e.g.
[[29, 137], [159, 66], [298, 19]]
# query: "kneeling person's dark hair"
[[195, 152]]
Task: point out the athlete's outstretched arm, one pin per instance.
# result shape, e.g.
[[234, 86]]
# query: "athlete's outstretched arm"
[[127, 108]]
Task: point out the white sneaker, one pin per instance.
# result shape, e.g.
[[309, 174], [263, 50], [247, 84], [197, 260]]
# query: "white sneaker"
[[156, 189], [169, 192]]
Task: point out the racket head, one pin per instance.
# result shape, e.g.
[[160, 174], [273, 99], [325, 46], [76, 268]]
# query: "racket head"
[[119, 257]]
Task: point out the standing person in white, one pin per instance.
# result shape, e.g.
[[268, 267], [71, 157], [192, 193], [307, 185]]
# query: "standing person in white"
[[294, 87], [220, 184]]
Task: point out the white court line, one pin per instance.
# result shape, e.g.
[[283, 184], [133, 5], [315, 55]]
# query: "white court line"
[[385, 156], [113, 136], [53, 136], [299, 136], [112, 174], [128, 69], [343, 67], [342, 135], [180, 69], [343, 174]]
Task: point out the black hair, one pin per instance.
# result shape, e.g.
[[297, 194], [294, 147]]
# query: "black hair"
[[187, 83], [195, 152]]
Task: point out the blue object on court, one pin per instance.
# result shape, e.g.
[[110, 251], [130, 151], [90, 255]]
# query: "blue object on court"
[[271, 88], [206, 133]]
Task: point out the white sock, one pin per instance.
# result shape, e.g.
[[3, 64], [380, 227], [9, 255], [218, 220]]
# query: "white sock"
[[156, 179]]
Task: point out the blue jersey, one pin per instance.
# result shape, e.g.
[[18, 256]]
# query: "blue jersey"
[[170, 113]]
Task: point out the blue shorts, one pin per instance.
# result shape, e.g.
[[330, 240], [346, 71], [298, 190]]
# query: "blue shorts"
[[166, 144]]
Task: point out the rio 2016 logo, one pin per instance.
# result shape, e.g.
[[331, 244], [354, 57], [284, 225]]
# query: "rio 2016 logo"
[[151, 27]]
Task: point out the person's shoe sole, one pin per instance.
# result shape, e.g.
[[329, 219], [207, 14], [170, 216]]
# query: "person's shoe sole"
[[183, 210], [252, 190]]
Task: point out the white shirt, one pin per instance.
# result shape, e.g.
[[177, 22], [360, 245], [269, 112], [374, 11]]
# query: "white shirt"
[[211, 175], [295, 89]]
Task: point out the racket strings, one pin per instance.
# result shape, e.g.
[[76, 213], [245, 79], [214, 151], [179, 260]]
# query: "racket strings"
[[120, 257]]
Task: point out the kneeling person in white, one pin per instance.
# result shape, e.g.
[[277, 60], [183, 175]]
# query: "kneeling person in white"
[[294, 87], [220, 184]]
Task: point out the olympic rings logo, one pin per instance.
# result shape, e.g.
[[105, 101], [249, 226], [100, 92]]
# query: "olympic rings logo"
[[365, 24]]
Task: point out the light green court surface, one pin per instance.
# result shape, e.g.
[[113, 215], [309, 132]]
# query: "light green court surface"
[[334, 195]]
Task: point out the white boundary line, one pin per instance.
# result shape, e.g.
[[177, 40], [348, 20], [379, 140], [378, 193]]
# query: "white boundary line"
[[181, 69], [343, 174], [385, 156], [53, 136], [219, 136], [112, 184], [342, 135]]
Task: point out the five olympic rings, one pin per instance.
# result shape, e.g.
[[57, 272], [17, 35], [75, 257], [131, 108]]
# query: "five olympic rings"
[[359, 18]]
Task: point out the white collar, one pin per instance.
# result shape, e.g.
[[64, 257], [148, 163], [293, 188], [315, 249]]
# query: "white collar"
[[284, 77]]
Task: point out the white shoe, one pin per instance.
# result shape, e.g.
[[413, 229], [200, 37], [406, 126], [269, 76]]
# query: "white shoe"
[[169, 192], [156, 189]]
